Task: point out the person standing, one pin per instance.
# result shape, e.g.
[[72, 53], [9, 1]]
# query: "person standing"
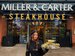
[[34, 46]]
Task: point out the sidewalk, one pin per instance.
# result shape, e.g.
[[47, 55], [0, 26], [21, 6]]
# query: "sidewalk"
[[61, 52], [19, 50]]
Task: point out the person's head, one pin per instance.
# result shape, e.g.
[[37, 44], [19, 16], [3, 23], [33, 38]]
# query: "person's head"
[[34, 35]]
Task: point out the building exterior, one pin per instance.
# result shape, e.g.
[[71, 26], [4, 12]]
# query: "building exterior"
[[62, 31]]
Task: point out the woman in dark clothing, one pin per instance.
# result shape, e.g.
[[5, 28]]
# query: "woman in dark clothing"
[[34, 46]]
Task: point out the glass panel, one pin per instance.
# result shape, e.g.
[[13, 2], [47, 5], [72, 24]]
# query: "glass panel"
[[18, 30], [55, 29], [49, 30]]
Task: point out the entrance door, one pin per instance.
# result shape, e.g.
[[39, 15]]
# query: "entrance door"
[[55, 30], [18, 30], [39, 26]]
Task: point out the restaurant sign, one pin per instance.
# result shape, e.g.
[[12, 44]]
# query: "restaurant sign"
[[37, 7]]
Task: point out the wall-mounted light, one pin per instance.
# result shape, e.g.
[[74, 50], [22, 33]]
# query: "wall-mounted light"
[[3, 16], [37, 23], [71, 17]]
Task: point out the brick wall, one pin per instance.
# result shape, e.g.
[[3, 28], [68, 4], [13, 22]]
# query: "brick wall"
[[73, 35], [71, 26], [2, 28]]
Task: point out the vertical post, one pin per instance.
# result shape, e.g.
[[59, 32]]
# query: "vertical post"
[[28, 33]]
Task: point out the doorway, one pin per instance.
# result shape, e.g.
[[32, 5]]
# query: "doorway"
[[55, 30]]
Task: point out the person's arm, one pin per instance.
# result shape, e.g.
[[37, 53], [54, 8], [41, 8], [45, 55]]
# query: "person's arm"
[[27, 50], [41, 50]]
